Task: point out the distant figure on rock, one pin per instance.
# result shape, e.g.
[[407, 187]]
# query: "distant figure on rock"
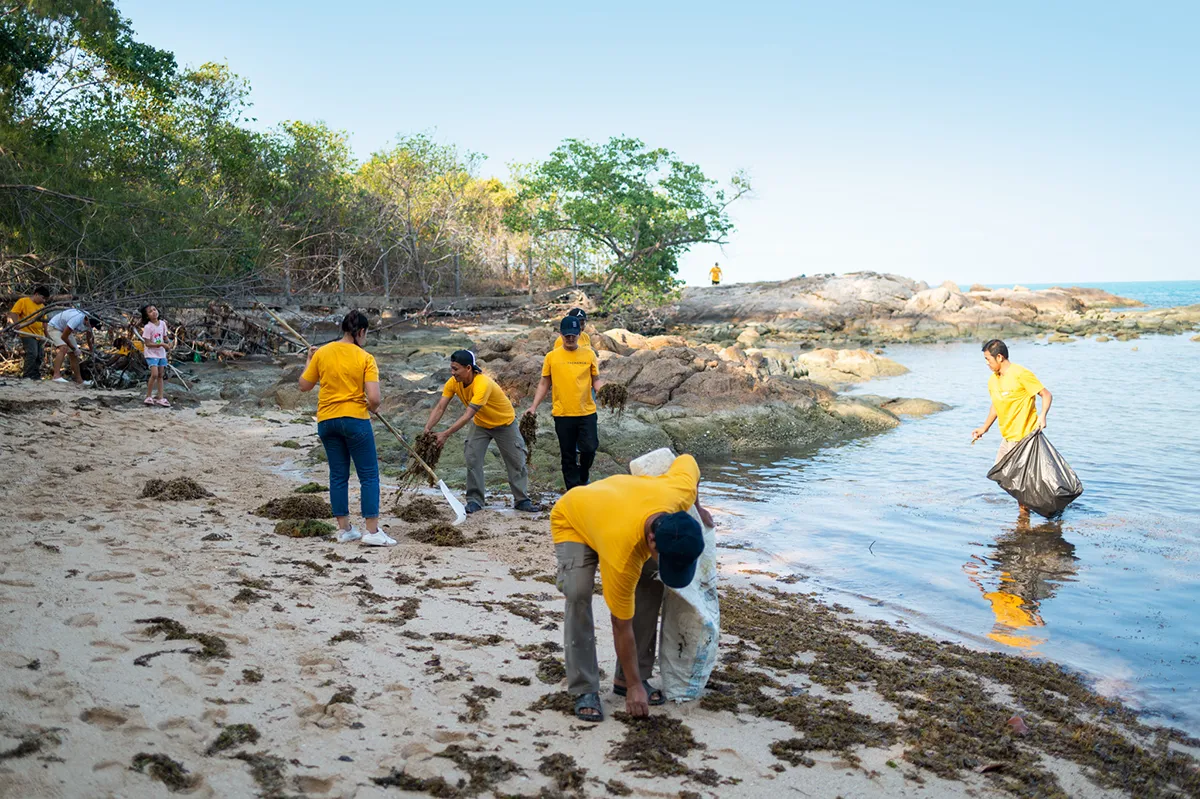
[[62, 332], [571, 373], [584, 339], [32, 334], [630, 527], [349, 380], [1014, 391], [491, 417], [715, 274]]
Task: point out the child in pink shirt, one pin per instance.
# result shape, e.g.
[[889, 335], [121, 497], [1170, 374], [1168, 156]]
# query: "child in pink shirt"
[[154, 335]]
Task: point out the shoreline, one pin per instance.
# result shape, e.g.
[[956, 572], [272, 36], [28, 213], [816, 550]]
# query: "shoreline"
[[356, 647]]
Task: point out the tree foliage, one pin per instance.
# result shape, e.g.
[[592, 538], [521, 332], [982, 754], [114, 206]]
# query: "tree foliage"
[[645, 206]]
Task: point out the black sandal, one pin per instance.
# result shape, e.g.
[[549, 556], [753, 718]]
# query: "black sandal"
[[589, 702], [619, 690]]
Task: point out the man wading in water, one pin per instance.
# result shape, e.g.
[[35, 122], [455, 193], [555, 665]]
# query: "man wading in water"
[[1014, 391], [571, 373], [630, 527]]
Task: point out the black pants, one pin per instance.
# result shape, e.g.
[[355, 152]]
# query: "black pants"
[[578, 440], [34, 348]]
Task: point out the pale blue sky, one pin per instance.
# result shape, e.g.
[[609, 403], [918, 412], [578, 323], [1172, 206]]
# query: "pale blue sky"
[[1015, 142]]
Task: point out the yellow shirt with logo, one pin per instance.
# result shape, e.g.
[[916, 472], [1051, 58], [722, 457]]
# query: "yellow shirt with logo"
[[584, 341], [610, 515], [715, 274], [571, 373], [26, 307], [494, 408], [342, 369], [1014, 398]]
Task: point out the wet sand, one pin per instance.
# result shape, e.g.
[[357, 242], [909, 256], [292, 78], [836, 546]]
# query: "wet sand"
[[142, 637]]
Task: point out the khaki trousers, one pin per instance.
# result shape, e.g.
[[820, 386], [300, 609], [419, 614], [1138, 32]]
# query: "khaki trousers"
[[512, 450], [576, 578]]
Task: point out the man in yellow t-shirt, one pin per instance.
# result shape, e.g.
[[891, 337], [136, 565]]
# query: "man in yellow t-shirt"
[[584, 339], [1014, 391], [715, 274], [492, 418], [571, 373], [629, 527], [32, 334]]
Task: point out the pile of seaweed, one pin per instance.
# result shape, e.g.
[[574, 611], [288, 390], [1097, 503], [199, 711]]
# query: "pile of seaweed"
[[296, 506], [181, 488], [614, 397], [421, 509], [440, 534], [304, 528], [529, 433]]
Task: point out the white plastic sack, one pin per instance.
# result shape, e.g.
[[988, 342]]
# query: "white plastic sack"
[[691, 616]]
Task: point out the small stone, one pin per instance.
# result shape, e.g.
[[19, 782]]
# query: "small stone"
[[346, 759]]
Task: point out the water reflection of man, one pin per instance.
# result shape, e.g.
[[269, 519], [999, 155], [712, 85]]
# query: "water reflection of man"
[[1031, 563]]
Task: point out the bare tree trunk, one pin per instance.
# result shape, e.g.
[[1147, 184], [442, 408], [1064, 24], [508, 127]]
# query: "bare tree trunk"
[[575, 268], [387, 281], [341, 270], [529, 264], [457, 277], [287, 275]]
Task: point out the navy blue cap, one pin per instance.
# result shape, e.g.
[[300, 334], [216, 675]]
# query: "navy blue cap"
[[680, 542], [570, 326]]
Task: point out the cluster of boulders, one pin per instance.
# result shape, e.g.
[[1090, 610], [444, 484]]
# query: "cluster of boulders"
[[868, 307]]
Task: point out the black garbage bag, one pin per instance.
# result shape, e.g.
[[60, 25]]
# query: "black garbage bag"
[[1037, 476]]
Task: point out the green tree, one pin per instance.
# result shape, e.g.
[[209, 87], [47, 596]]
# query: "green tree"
[[644, 206]]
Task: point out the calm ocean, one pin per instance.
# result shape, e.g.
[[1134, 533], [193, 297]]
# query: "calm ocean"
[[1155, 294], [905, 525]]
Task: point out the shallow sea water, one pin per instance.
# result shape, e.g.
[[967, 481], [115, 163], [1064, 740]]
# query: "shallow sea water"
[[905, 525]]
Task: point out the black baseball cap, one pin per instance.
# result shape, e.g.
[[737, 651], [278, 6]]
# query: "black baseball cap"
[[465, 358], [570, 326], [680, 542]]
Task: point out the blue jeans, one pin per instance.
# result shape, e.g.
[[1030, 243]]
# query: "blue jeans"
[[346, 438]]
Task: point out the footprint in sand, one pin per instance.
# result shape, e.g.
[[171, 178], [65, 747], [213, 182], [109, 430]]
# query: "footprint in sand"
[[103, 717], [83, 620], [105, 576], [111, 645]]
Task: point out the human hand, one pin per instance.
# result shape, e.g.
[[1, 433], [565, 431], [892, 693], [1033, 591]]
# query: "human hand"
[[977, 434], [637, 702], [706, 517], [441, 438], [532, 411], [1041, 422]]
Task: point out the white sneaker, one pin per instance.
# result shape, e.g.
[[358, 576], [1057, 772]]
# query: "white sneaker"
[[60, 380], [346, 536], [88, 383], [378, 539]]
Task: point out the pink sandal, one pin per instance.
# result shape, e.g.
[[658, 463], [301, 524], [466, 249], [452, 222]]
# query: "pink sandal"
[[164, 402], [149, 401]]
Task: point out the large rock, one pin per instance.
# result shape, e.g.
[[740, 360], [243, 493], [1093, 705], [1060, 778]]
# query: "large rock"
[[838, 367]]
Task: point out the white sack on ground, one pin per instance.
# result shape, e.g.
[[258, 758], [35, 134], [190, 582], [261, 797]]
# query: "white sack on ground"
[[691, 616]]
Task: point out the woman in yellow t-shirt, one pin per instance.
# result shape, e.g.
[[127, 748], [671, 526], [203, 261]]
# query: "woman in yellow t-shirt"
[[349, 380], [492, 418]]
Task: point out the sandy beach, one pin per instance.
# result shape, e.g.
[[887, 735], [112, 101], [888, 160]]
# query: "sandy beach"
[[145, 636]]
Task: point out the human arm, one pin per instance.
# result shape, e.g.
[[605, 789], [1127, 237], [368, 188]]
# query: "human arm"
[[1047, 400], [374, 398], [598, 382], [979, 432], [637, 703], [543, 388], [435, 414], [459, 423], [705, 516], [309, 379]]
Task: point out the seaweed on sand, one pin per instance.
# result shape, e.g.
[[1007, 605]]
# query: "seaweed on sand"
[[301, 506], [31, 745], [170, 773], [567, 774], [304, 528], [181, 488], [421, 509], [559, 701], [311, 488], [653, 745], [551, 670], [231, 736], [211, 646], [440, 534]]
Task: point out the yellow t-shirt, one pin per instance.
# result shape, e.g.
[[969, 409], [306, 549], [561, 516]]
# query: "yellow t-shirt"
[[570, 374], [494, 408], [25, 307], [342, 370], [610, 515], [715, 274], [1014, 398], [584, 341]]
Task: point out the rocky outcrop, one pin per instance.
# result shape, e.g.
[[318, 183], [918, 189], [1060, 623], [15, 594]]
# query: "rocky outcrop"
[[879, 308]]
